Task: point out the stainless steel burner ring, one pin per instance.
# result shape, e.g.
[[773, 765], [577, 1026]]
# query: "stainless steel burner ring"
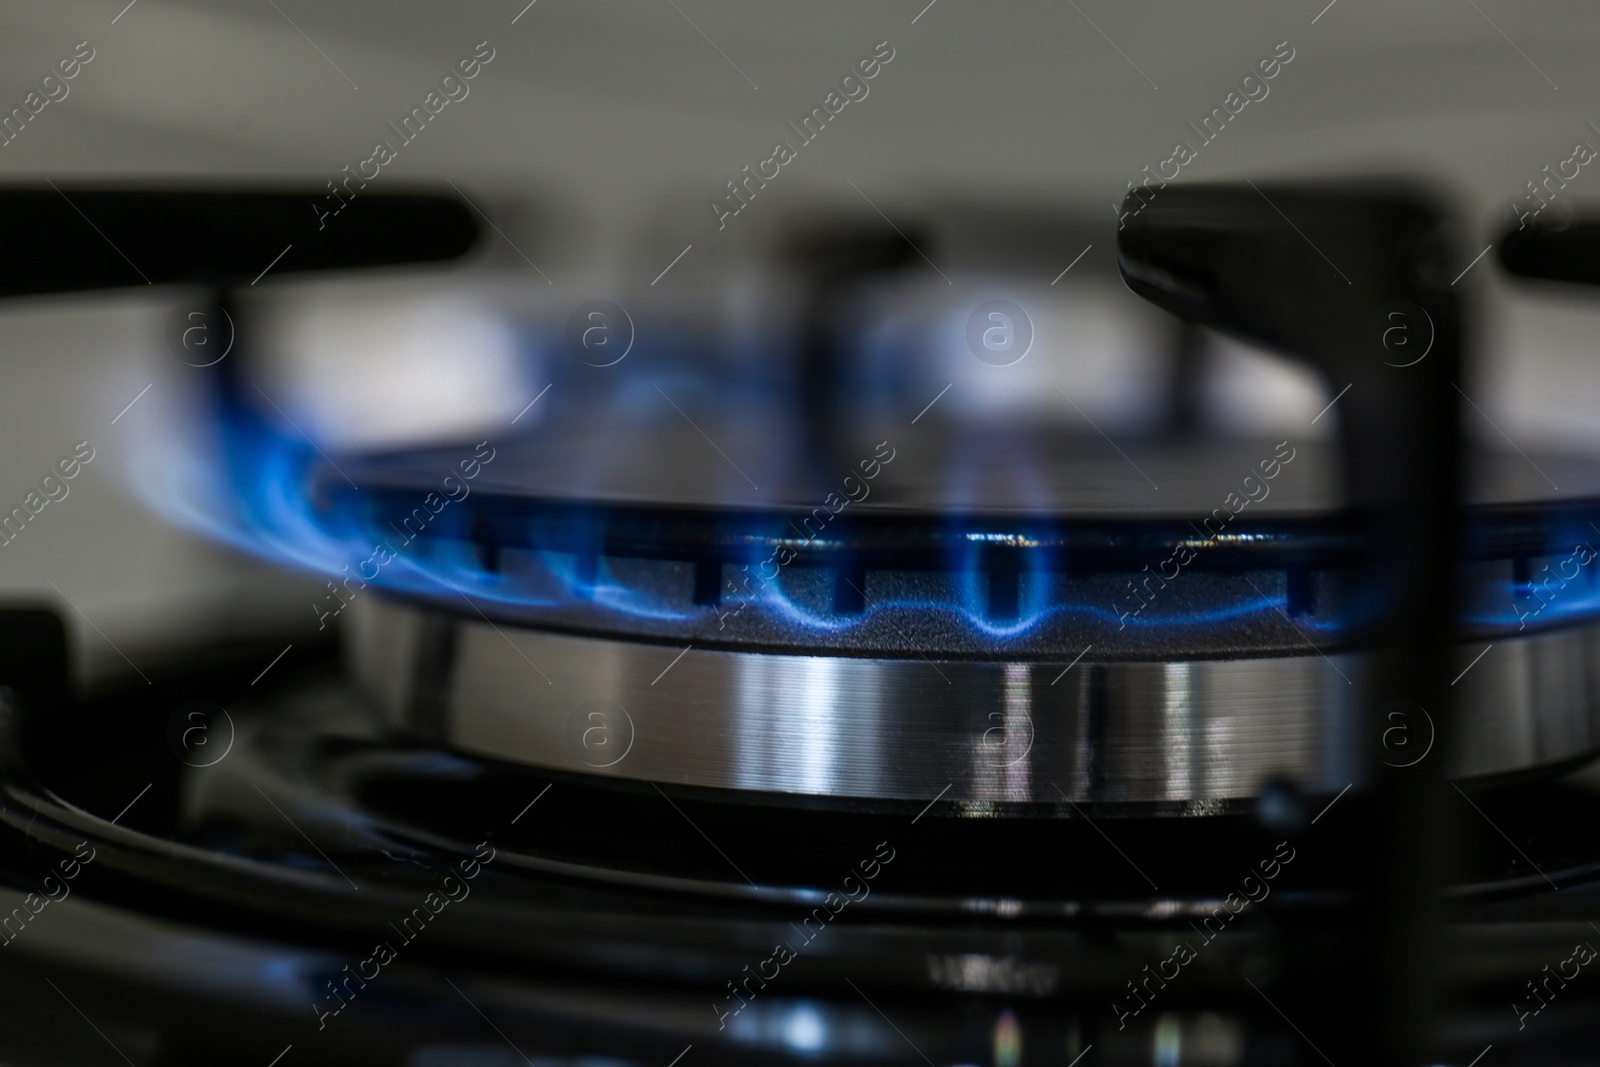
[[1190, 735]]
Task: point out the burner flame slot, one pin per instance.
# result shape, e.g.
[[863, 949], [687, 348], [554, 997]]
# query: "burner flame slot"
[[1004, 572], [849, 589], [486, 546], [488, 555], [708, 582], [1300, 592], [585, 574]]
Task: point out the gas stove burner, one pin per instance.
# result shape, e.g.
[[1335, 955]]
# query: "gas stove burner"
[[1116, 644], [968, 734]]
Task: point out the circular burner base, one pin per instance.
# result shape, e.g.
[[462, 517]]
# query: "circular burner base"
[[977, 737]]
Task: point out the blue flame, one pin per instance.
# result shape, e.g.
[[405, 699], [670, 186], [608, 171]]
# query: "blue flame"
[[260, 496]]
